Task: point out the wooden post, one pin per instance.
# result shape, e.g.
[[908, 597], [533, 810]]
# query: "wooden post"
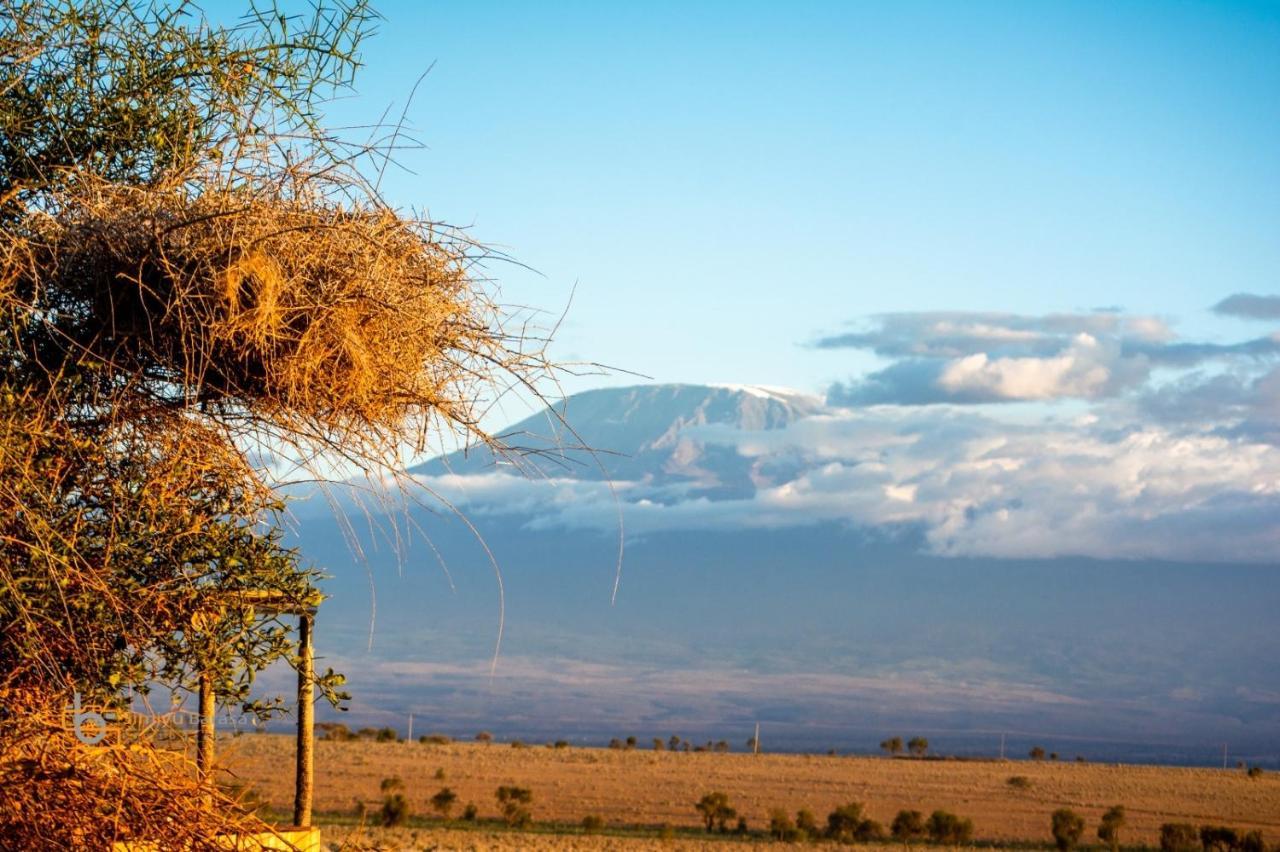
[[204, 728], [306, 724]]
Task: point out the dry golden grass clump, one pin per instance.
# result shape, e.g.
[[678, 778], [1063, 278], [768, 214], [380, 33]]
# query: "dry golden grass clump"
[[321, 318], [66, 794]]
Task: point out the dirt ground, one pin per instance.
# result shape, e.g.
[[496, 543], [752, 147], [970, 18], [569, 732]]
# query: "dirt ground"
[[656, 788]]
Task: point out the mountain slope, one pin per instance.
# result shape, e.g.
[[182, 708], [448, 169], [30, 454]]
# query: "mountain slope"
[[648, 433]]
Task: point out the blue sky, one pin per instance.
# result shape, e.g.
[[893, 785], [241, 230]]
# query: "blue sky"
[[984, 240], [726, 184]]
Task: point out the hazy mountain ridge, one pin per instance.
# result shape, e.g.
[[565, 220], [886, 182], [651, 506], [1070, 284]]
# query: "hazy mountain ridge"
[[646, 434], [875, 627]]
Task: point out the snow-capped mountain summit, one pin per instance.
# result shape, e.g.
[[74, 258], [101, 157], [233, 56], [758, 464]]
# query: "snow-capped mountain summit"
[[646, 433]]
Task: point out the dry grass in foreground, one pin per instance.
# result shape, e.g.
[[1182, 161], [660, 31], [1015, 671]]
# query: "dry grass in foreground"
[[654, 788]]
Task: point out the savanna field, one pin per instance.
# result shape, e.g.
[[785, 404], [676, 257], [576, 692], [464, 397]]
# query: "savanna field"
[[643, 788]]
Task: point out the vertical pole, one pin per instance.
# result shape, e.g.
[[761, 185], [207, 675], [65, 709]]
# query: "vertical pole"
[[306, 724], [755, 743], [410, 738], [204, 728]]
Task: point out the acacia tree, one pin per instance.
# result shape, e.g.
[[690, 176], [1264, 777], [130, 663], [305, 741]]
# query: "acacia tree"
[[191, 269]]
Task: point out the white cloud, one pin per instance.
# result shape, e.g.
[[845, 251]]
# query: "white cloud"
[[975, 485]]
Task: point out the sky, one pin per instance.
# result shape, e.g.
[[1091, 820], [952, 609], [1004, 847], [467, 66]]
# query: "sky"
[[727, 185], [1020, 262]]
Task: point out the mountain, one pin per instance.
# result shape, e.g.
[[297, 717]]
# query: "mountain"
[[653, 434], [730, 610]]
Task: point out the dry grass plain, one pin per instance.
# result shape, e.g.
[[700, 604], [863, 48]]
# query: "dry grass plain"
[[654, 788]]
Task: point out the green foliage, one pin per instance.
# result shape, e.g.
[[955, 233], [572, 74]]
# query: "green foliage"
[[918, 746], [1179, 837], [1252, 841], [1218, 838], [893, 745], [387, 735], [513, 802], [1036, 753], [470, 812], [443, 801], [781, 827], [844, 822], [807, 823], [908, 825], [1067, 827], [391, 785], [435, 739], [1019, 782], [592, 824], [1254, 772], [946, 827], [1109, 828], [395, 809], [715, 810]]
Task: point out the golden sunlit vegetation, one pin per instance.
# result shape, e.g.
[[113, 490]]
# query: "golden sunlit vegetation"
[[193, 274], [643, 790]]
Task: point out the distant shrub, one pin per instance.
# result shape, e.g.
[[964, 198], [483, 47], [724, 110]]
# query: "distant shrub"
[[893, 745], [1067, 827], [659, 744], [439, 774], [616, 743], [1019, 782], [519, 744], [443, 801], [561, 744], [1218, 838], [919, 746], [666, 832], [847, 823], [1109, 828], [470, 812], [946, 827], [631, 742], [673, 743], [513, 802], [806, 823], [391, 785], [843, 821], [395, 809], [484, 737], [387, 735], [1252, 842], [742, 827], [715, 810], [1179, 837], [367, 733], [1036, 753], [435, 739], [870, 831], [908, 826], [334, 731], [592, 824], [1254, 772], [721, 746], [1053, 755], [781, 827]]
